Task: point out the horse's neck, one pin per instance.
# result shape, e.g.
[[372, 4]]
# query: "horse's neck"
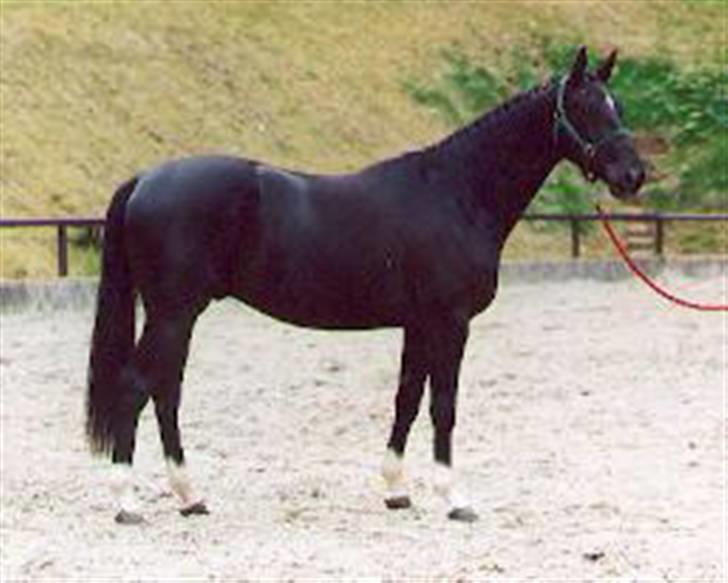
[[504, 160]]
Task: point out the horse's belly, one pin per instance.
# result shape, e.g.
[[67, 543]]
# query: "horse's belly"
[[329, 316], [318, 303]]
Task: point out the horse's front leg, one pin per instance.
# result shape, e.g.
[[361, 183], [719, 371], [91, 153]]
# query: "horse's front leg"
[[412, 376], [446, 346]]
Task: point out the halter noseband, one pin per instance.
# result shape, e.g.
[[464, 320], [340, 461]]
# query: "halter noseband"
[[588, 148]]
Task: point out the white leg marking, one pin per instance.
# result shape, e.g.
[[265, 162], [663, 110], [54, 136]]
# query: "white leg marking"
[[393, 474], [445, 486], [180, 484], [122, 487]]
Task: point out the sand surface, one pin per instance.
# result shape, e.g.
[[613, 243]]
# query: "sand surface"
[[591, 439]]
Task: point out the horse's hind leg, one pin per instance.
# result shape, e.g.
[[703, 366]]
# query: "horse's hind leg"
[[134, 386], [173, 339], [155, 371], [122, 483]]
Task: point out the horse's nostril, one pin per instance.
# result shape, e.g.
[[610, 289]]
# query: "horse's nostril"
[[635, 177]]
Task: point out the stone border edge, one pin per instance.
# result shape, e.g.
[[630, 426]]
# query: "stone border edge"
[[80, 293]]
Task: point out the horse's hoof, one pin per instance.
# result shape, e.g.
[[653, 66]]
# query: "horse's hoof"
[[465, 514], [198, 508], [398, 502], [126, 517]]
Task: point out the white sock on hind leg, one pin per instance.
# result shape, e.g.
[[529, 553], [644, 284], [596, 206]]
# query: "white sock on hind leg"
[[122, 487], [180, 483]]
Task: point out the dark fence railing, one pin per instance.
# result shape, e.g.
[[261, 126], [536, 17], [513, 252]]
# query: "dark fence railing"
[[61, 226], [659, 220]]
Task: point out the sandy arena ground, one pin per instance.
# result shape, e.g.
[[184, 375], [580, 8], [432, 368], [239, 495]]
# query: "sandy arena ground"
[[591, 439]]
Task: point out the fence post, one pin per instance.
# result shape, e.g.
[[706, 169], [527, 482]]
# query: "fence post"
[[659, 236], [574, 238], [62, 251]]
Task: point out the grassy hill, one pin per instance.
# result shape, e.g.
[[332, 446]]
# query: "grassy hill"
[[91, 93]]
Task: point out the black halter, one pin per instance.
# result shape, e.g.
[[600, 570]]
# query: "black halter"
[[589, 149]]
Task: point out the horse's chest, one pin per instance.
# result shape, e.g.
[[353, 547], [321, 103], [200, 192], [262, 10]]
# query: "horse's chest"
[[485, 287], [478, 281]]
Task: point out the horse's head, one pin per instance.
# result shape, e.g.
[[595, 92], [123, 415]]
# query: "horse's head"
[[588, 126]]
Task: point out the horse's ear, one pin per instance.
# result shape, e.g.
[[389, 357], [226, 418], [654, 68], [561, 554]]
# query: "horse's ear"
[[604, 72], [578, 69]]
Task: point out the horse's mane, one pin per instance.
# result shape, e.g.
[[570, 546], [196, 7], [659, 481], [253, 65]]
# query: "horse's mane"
[[494, 121], [477, 136]]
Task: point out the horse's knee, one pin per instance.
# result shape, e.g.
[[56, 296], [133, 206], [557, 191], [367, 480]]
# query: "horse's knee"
[[443, 416]]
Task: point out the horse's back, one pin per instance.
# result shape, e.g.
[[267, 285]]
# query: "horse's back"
[[190, 185], [186, 223], [314, 250]]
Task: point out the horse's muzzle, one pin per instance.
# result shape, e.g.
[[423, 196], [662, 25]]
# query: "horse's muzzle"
[[628, 183]]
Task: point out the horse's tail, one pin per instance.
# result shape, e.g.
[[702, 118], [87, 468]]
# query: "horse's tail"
[[113, 334]]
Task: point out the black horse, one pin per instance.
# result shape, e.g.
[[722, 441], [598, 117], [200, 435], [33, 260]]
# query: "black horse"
[[411, 242]]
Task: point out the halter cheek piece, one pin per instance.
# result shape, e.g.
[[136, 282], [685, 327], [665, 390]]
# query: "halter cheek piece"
[[589, 148]]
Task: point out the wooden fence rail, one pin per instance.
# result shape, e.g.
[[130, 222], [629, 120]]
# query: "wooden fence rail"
[[660, 221], [61, 225]]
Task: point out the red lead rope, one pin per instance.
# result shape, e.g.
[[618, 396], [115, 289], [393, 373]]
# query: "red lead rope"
[[634, 268]]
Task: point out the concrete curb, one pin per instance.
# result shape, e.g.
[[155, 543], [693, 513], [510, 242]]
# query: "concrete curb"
[[80, 293], [60, 294], [611, 270]]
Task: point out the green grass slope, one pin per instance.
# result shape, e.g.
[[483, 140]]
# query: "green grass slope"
[[92, 92]]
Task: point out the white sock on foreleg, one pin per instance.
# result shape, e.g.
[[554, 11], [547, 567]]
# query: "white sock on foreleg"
[[446, 487], [393, 474]]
